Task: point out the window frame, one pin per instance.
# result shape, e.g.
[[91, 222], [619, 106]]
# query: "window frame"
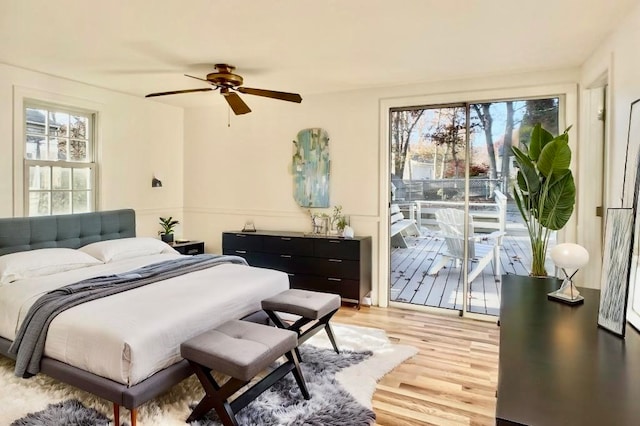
[[26, 164], [451, 93]]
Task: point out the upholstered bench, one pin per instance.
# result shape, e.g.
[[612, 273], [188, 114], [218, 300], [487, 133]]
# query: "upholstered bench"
[[239, 349], [311, 306]]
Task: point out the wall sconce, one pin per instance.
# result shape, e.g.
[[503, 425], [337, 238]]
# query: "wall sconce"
[[156, 182], [569, 258]]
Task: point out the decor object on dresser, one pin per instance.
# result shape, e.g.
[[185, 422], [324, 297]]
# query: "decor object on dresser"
[[569, 258], [332, 265], [632, 186], [614, 284], [310, 167], [166, 234], [544, 191]]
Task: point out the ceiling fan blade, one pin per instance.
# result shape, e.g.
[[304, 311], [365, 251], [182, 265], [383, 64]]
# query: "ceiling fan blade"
[[236, 103], [291, 97], [175, 92], [198, 78]]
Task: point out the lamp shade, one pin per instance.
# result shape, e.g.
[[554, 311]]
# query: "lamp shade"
[[569, 256]]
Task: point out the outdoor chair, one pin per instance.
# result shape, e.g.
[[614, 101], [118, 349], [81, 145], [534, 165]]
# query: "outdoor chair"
[[483, 248]]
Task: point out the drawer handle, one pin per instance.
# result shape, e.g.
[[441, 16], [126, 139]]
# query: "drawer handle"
[[286, 256], [193, 251], [240, 235], [334, 279], [335, 241], [335, 260], [291, 275], [241, 251], [285, 238]]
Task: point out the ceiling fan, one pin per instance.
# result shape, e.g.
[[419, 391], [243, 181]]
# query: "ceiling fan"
[[230, 83]]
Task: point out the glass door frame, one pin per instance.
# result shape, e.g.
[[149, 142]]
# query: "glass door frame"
[[568, 113]]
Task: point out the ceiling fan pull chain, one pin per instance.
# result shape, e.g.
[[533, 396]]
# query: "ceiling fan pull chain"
[[228, 116]]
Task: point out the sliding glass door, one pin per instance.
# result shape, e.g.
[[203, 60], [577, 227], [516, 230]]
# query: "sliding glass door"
[[451, 173]]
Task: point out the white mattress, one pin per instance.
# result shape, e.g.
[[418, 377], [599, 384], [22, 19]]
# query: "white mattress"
[[129, 336]]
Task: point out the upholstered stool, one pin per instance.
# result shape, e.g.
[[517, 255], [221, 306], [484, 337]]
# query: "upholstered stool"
[[239, 349], [312, 306]]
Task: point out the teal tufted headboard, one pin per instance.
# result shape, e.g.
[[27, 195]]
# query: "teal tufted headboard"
[[71, 230]]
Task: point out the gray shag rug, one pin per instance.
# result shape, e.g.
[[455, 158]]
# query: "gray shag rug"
[[341, 388], [70, 412]]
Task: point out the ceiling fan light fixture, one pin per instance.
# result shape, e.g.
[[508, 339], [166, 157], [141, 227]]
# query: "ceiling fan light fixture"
[[224, 79]]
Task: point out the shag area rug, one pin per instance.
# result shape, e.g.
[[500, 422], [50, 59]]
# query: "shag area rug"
[[341, 387]]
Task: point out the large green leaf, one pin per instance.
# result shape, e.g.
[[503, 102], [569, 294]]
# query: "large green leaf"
[[555, 157], [519, 203], [539, 139], [559, 202], [528, 170]]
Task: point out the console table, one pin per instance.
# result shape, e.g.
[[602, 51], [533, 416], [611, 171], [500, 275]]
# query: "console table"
[[330, 264], [557, 367]]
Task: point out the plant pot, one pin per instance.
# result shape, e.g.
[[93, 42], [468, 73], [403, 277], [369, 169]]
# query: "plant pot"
[[167, 238]]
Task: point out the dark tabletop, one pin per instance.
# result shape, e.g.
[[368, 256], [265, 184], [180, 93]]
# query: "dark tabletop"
[[557, 367]]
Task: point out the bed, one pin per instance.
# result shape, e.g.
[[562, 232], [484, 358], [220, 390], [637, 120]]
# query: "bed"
[[125, 347]]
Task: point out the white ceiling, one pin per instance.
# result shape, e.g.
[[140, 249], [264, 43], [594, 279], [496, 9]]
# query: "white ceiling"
[[304, 46]]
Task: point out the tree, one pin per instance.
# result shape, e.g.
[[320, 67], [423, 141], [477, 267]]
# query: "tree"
[[506, 148], [402, 125], [486, 122], [451, 134], [539, 111]]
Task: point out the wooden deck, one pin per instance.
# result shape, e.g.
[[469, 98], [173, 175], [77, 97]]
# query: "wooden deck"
[[410, 283]]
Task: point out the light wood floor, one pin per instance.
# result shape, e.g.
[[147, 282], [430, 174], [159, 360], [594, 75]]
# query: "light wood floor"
[[451, 381]]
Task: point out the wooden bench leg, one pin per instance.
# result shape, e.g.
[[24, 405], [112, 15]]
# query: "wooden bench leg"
[[116, 414], [134, 416]]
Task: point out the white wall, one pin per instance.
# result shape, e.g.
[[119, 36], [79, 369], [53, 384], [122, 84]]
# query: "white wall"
[[237, 173], [616, 63], [618, 56], [136, 137]]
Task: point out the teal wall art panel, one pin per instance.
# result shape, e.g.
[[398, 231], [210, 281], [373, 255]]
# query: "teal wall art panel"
[[311, 168]]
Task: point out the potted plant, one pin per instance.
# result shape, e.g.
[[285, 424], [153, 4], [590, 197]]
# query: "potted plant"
[[544, 191], [166, 234]]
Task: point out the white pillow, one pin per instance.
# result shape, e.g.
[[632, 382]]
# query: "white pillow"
[[35, 263], [126, 248]]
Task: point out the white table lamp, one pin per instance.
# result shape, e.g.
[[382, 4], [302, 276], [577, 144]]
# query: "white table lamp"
[[569, 258]]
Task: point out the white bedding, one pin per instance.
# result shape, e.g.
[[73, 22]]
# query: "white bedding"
[[129, 336]]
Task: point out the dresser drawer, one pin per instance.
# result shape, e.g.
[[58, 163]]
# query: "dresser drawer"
[[329, 267], [337, 248], [239, 241], [347, 289], [288, 245]]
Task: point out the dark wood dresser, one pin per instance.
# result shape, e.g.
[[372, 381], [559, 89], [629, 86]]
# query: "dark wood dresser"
[[557, 367], [334, 265]]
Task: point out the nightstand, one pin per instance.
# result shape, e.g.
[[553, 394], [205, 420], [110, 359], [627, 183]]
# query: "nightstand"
[[189, 247]]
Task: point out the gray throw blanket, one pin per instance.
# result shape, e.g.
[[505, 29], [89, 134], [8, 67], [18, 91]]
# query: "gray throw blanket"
[[28, 346]]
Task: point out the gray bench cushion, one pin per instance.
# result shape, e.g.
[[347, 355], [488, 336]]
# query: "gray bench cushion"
[[238, 348], [308, 304]]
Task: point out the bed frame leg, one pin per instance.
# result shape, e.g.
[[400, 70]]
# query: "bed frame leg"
[[116, 414], [134, 416]]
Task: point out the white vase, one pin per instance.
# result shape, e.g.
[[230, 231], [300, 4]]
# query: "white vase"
[[348, 232]]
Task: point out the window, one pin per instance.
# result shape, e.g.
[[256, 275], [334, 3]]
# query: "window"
[[59, 160], [429, 145]]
